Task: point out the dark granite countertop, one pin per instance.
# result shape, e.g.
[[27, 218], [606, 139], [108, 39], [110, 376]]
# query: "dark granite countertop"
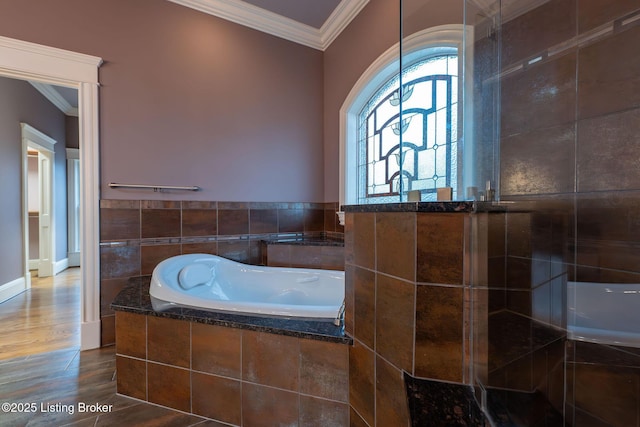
[[463, 206], [460, 206], [134, 298]]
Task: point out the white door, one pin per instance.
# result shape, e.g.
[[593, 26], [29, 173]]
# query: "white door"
[[36, 140], [45, 169]]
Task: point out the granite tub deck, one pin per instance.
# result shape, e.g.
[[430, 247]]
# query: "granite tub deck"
[[234, 369], [135, 299]]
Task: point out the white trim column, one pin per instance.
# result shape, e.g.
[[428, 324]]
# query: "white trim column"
[[89, 215]]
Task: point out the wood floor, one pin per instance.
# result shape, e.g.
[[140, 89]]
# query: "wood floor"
[[44, 318], [46, 381]]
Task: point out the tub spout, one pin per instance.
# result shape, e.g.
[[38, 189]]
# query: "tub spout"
[[340, 317]]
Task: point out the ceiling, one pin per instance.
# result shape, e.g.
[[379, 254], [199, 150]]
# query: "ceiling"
[[313, 23], [65, 98]]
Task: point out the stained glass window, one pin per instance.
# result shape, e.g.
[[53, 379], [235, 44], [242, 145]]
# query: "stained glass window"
[[407, 135]]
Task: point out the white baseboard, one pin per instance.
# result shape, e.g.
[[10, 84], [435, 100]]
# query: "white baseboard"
[[12, 288], [90, 335], [61, 265], [74, 259], [56, 267]]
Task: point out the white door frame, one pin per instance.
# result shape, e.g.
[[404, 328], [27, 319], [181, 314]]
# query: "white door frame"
[[34, 62], [45, 145]]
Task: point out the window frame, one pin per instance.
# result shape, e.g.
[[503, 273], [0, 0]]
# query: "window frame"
[[414, 48]]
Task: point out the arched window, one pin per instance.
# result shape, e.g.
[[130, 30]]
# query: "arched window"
[[400, 132]]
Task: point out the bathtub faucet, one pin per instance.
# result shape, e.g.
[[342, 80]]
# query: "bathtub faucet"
[[339, 320]]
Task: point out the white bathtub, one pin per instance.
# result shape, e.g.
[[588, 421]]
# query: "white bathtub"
[[604, 313], [211, 282]]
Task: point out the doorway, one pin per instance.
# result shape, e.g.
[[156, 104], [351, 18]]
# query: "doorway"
[[38, 210], [34, 62]]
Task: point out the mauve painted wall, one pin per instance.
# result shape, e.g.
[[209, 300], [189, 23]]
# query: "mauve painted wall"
[[190, 99], [369, 35], [20, 102]]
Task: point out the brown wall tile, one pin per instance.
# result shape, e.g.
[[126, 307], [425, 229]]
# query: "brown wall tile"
[[119, 224], [607, 392], [263, 221], [178, 396], [216, 350], [160, 223], [160, 204], [198, 204], [355, 420], [364, 310], [131, 377], [519, 301], [279, 255], [320, 412], [270, 359], [313, 219], [541, 96], [391, 399], [152, 255], [332, 258], [217, 398], [233, 221], [199, 222], [396, 244], [523, 36], [168, 341], [519, 239], [131, 334], [441, 262], [395, 320], [290, 220], [349, 238], [439, 333], [119, 261], [324, 370], [267, 407], [301, 256], [200, 248], [592, 14], [362, 381], [364, 240], [527, 168], [349, 299], [608, 149], [237, 250], [609, 75], [107, 330], [109, 289], [330, 219]]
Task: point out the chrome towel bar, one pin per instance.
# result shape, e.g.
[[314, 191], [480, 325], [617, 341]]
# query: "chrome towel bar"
[[154, 187]]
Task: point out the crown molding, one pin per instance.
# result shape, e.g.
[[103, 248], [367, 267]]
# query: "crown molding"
[[343, 14], [277, 25], [55, 98]]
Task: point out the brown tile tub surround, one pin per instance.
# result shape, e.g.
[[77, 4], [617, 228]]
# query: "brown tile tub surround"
[[135, 235], [235, 376], [406, 310]]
